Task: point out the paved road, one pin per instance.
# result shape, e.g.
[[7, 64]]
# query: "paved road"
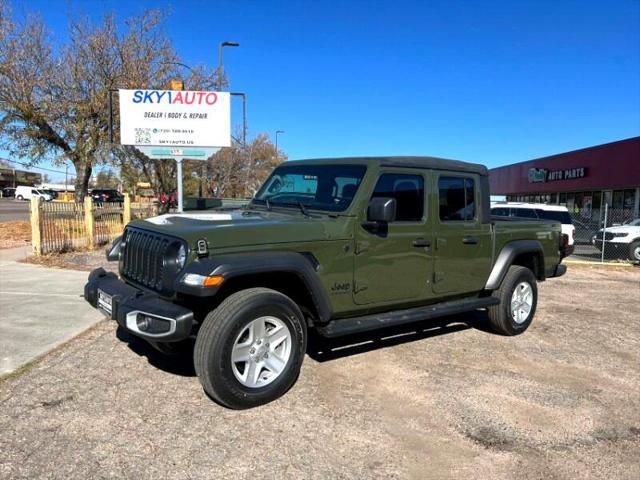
[[41, 308], [11, 209]]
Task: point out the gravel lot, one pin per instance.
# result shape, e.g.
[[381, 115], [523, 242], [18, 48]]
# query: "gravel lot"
[[438, 401]]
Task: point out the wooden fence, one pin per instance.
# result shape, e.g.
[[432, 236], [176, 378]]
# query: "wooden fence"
[[65, 226]]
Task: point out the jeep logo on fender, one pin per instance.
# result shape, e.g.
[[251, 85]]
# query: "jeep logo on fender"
[[341, 287]]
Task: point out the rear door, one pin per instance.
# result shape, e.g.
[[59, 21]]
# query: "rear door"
[[395, 264], [463, 247]]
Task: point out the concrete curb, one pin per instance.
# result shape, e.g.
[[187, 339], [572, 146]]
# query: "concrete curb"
[[598, 264]]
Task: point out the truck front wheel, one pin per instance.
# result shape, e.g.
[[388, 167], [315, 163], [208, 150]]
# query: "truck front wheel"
[[249, 350], [518, 295]]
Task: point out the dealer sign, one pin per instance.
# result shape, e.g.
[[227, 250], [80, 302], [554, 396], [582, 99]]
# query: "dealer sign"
[[168, 118]]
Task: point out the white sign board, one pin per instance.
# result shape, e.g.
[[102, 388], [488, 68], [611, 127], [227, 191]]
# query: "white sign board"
[[170, 118]]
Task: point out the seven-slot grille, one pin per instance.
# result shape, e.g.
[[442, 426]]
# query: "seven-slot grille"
[[143, 257]]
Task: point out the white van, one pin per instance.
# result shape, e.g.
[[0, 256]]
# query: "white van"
[[26, 193], [538, 211]]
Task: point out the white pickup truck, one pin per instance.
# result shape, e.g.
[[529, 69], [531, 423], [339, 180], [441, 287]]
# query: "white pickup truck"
[[623, 239]]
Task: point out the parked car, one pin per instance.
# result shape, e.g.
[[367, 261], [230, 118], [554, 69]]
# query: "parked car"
[[338, 246], [26, 193], [539, 211], [8, 192], [100, 195], [623, 240]]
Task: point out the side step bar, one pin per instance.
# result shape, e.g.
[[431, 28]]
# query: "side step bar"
[[347, 326]]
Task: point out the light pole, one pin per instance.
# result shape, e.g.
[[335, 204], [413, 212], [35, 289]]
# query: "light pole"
[[277, 133], [244, 114], [220, 64]]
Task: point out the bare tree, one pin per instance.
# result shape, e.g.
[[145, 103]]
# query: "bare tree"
[[239, 171], [53, 105]]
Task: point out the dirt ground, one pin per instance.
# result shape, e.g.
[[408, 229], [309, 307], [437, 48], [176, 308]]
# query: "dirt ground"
[[434, 400], [15, 233]]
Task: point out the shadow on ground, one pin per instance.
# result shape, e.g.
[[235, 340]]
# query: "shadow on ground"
[[322, 349], [178, 364]]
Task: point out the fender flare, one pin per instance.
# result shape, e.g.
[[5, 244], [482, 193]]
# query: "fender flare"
[[243, 264], [506, 257]]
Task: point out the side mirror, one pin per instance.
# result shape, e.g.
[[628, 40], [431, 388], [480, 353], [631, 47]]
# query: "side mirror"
[[382, 210]]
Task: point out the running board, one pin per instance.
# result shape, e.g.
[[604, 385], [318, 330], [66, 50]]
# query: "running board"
[[347, 326]]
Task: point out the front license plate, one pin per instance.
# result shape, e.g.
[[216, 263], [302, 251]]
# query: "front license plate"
[[104, 302]]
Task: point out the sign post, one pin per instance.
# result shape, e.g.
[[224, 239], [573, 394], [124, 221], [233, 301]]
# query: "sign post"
[[175, 124]]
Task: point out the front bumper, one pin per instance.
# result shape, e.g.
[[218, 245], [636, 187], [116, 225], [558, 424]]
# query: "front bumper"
[[128, 304]]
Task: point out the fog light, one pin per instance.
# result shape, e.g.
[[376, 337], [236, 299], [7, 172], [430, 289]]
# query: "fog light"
[[144, 322]]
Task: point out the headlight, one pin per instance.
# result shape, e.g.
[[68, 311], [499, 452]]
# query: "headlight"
[[175, 257], [621, 234], [181, 257]]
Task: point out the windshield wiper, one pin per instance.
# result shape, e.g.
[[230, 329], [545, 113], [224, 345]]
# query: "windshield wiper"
[[267, 203]]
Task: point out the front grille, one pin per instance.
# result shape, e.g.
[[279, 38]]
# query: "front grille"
[[143, 257]]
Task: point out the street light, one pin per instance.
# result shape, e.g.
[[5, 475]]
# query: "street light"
[[220, 65], [244, 114], [277, 133]]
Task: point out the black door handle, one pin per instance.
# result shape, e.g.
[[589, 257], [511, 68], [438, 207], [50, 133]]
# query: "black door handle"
[[470, 240], [421, 242]]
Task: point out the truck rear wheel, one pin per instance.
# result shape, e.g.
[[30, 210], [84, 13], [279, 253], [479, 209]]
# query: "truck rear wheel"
[[518, 295], [249, 350]]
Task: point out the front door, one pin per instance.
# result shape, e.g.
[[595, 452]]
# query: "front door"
[[462, 246], [394, 263]]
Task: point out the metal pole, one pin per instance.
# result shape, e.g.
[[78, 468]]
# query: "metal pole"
[[277, 133], [220, 64], [244, 119], [604, 229], [66, 172], [220, 67], [179, 182], [244, 114]]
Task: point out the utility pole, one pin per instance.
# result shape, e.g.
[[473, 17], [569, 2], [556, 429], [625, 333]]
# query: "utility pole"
[[277, 133]]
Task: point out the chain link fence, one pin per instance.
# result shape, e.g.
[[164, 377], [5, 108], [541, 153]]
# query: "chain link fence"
[[609, 235]]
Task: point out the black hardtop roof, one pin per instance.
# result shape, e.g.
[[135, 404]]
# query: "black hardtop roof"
[[432, 163]]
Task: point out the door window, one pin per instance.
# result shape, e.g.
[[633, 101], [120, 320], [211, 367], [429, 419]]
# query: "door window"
[[524, 213], [457, 199], [407, 190]]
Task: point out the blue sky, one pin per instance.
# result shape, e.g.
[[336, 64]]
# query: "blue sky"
[[486, 81]]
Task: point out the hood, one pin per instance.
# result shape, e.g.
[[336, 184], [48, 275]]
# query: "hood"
[[623, 229], [237, 229]]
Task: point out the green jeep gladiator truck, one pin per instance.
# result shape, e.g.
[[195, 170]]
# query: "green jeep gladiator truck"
[[335, 245]]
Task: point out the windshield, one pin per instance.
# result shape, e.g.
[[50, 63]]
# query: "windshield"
[[633, 223], [319, 187]]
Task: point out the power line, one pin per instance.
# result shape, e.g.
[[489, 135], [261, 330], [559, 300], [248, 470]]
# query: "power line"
[[32, 167]]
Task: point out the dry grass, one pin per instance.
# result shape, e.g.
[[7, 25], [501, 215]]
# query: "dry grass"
[[15, 233]]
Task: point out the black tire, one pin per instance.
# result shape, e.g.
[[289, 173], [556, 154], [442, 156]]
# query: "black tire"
[[634, 251], [172, 349], [218, 333], [500, 315], [20, 197]]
